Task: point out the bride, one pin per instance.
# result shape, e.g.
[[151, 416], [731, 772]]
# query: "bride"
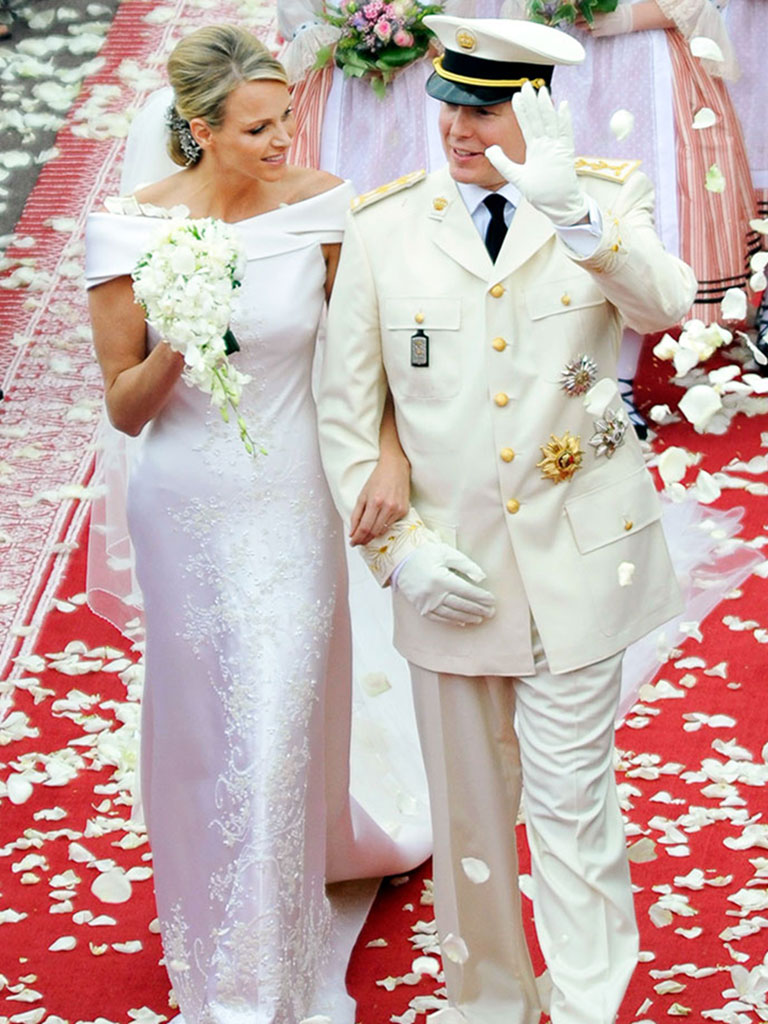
[[245, 732]]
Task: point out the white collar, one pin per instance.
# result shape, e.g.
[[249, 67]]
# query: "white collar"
[[473, 195]]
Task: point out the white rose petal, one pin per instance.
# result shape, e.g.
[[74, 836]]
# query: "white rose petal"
[[734, 304], [621, 124], [134, 946], [455, 949], [626, 571], [661, 414], [704, 118], [685, 358], [699, 404], [599, 396], [19, 788], [706, 488], [642, 851], [476, 870], [673, 464], [65, 943], [375, 683], [426, 965], [758, 282], [112, 887], [666, 348], [705, 48]]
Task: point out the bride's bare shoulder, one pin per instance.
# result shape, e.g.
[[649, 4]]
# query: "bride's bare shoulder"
[[308, 182], [166, 192]]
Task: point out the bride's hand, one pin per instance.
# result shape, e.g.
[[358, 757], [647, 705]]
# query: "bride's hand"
[[383, 500]]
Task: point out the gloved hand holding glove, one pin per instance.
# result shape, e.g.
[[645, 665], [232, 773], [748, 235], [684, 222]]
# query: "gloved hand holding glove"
[[430, 579], [547, 179]]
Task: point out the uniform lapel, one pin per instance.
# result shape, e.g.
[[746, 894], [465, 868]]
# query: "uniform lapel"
[[452, 227], [454, 232], [527, 233]]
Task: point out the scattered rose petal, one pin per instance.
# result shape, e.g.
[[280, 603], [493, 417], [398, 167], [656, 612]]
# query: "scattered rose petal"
[[734, 304], [705, 48], [621, 124], [704, 118], [112, 887], [626, 571], [455, 948], [476, 870]]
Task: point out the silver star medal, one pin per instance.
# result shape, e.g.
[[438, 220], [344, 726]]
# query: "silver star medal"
[[578, 376], [609, 432]]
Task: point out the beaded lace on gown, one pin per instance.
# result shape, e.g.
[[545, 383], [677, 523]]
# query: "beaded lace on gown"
[[246, 708]]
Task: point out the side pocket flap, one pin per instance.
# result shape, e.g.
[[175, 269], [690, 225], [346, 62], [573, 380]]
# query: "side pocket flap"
[[617, 510]]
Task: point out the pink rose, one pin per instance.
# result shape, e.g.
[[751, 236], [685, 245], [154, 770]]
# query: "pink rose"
[[383, 30], [403, 38]]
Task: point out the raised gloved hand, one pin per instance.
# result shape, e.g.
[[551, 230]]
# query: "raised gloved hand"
[[547, 179], [433, 580], [613, 23]]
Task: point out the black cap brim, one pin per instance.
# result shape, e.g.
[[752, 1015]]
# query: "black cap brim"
[[467, 95]]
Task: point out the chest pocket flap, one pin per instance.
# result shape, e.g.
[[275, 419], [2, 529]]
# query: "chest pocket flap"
[[562, 296], [612, 512], [438, 314]]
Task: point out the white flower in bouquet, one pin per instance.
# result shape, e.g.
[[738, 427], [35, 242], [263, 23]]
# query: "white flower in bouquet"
[[186, 285]]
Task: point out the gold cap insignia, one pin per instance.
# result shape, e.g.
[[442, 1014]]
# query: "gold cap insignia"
[[466, 39], [562, 457], [439, 203]]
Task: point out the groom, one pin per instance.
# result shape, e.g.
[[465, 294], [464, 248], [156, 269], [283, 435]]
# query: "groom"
[[533, 553]]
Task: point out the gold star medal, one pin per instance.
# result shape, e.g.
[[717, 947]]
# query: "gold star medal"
[[562, 457]]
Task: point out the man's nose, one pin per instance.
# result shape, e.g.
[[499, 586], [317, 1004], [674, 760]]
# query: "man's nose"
[[461, 124]]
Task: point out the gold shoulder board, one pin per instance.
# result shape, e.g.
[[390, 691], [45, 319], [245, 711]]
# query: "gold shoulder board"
[[608, 170], [405, 181]]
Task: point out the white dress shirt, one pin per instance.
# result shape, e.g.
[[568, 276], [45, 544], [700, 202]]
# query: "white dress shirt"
[[583, 239]]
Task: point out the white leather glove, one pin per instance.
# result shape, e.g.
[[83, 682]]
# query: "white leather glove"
[[433, 579], [614, 23], [547, 179]]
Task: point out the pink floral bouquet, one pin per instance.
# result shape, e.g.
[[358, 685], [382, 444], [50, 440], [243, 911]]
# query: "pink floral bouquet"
[[552, 12], [377, 38]]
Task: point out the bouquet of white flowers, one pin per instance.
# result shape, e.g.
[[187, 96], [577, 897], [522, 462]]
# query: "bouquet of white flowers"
[[185, 285]]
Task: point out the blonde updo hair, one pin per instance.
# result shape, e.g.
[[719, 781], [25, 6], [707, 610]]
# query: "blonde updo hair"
[[204, 68]]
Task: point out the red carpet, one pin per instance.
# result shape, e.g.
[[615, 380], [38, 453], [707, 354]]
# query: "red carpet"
[[692, 764]]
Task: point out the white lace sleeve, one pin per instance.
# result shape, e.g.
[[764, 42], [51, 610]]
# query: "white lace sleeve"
[[702, 18]]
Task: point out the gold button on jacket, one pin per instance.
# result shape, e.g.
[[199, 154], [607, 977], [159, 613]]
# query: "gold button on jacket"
[[507, 454], [497, 291], [501, 399], [513, 506], [499, 344]]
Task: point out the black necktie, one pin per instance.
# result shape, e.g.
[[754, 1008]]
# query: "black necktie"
[[497, 229]]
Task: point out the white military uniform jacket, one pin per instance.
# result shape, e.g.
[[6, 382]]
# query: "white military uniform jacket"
[[476, 421]]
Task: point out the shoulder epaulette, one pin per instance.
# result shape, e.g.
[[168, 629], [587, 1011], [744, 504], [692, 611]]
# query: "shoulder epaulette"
[[608, 170], [404, 181]]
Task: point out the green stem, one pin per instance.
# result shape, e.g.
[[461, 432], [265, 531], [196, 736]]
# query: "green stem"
[[250, 445]]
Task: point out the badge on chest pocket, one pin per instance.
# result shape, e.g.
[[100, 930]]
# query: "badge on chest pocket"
[[419, 349]]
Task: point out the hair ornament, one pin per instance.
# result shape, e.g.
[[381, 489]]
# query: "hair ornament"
[[176, 124]]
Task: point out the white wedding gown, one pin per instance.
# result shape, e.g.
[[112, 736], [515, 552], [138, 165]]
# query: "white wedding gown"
[[247, 702]]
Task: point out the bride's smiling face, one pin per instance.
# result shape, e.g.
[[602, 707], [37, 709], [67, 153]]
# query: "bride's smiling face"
[[257, 130]]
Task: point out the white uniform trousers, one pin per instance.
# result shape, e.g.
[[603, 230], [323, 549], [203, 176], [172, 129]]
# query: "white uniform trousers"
[[482, 738]]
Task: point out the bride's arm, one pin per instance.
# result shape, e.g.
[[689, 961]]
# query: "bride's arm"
[[136, 385], [385, 498]]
